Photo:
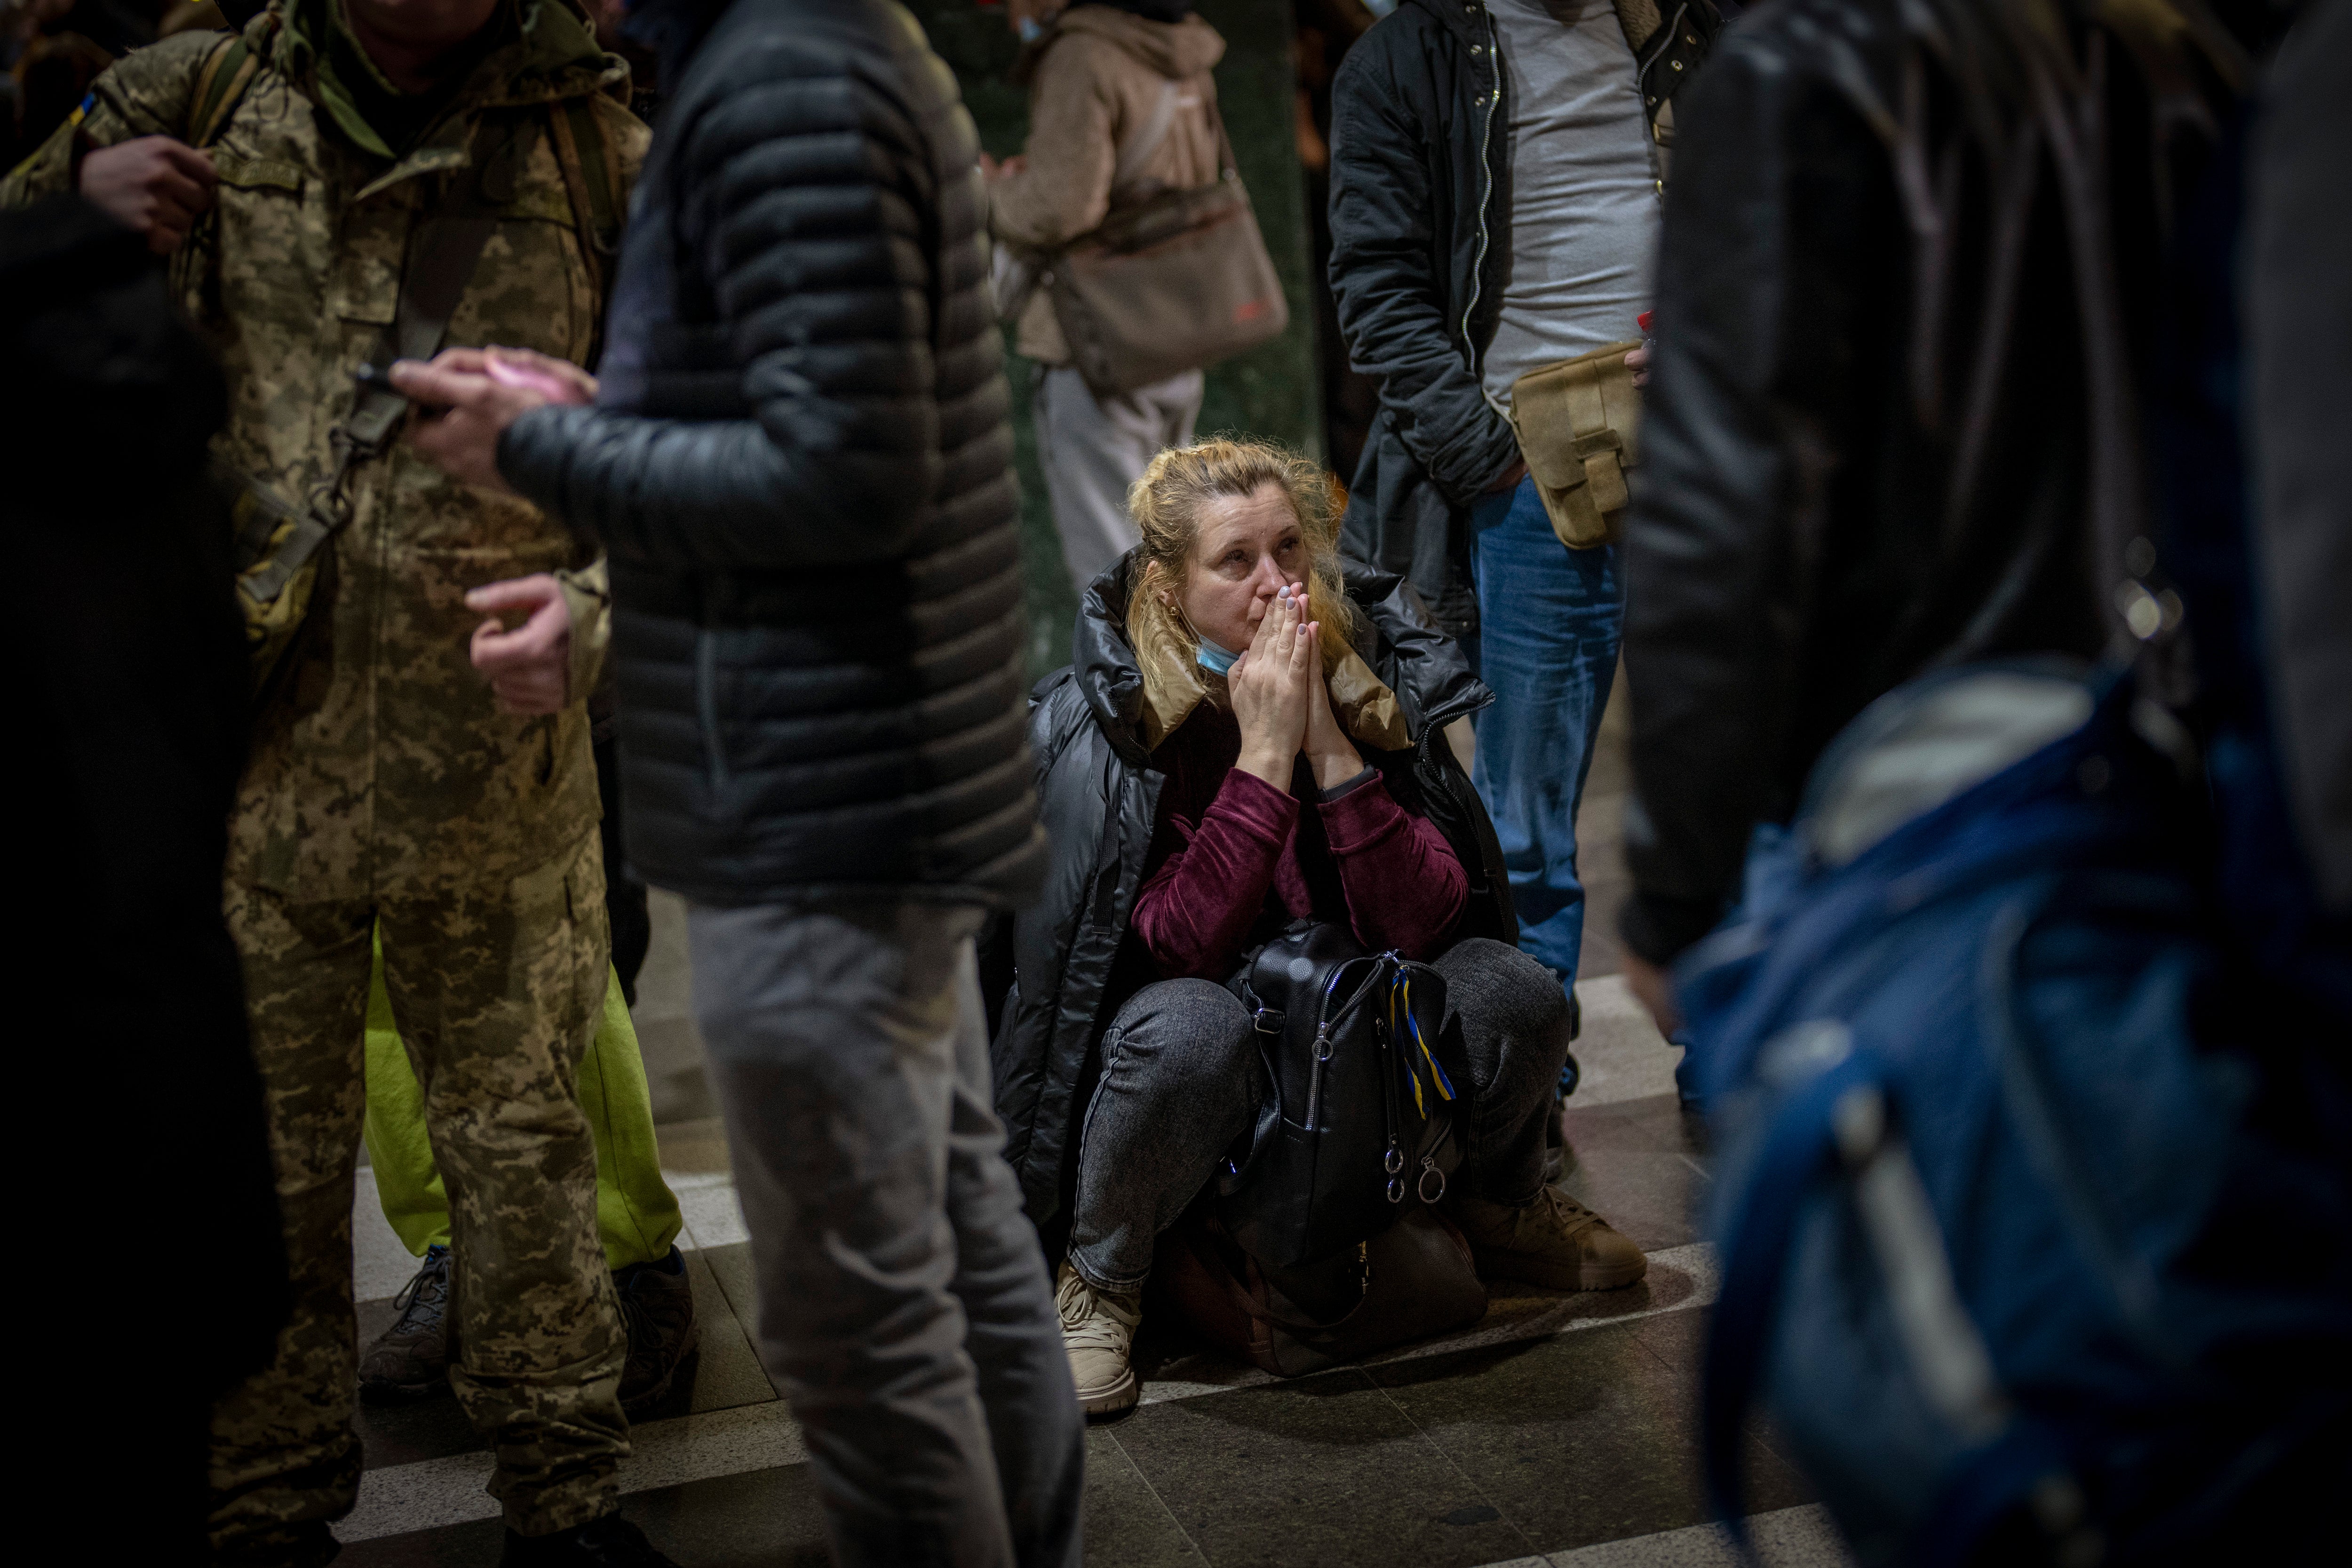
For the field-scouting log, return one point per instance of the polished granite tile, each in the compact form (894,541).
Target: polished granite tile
(1621,1163)
(1323,1470)
(731,1267)
(1622,1054)
(722,1375)
(1583,1437)
(474,1545)
(1789,1537)
(762,1519)
(1771,1479)
(1128,1525)
(771,1517)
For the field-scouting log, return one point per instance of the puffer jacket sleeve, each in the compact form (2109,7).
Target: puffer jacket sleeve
(804,194)
(1383,254)
(1710,552)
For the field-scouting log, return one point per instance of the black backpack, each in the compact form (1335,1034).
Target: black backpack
(1364,1091)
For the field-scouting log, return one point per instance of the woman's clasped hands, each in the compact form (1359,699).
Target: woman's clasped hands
(1280,700)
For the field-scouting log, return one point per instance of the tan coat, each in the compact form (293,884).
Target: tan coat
(1092,88)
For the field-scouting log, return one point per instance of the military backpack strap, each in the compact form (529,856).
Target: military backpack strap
(584,154)
(221,81)
(441,262)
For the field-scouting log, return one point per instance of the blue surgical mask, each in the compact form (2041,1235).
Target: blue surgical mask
(1212,657)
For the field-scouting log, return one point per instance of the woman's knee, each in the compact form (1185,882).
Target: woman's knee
(1194,1021)
(1502,995)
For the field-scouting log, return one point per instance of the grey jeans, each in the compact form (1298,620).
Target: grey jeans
(1182,1079)
(903,1301)
(1092,449)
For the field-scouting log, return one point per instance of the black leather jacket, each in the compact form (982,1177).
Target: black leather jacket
(1421,245)
(1862,459)
(800,467)
(1064,964)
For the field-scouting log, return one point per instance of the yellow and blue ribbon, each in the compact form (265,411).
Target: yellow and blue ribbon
(1401,993)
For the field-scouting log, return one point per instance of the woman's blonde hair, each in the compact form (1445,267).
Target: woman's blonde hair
(1166,505)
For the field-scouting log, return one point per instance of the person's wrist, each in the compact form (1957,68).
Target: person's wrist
(1335,768)
(1264,763)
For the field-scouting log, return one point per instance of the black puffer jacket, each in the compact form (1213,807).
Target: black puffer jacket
(1066,958)
(1421,245)
(802,469)
(1864,456)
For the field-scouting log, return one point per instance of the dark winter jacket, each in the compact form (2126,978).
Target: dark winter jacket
(131,704)
(1070,959)
(802,469)
(1421,236)
(1864,456)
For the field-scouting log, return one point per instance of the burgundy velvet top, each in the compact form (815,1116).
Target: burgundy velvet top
(1234,860)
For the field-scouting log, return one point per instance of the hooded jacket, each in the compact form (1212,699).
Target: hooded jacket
(1095,83)
(1421,235)
(1065,964)
(802,467)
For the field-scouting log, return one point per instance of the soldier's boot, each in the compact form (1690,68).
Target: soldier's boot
(658,1309)
(411,1359)
(611,1542)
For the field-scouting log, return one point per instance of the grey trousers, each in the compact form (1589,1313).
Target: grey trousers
(903,1301)
(1182,1079)
(1091,451)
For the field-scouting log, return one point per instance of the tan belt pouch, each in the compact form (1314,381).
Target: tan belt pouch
(1577,423)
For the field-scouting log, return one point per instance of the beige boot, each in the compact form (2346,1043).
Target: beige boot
(1554,1241)
(1097,1329)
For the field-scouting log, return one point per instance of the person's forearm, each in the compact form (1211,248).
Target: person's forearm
(716,492)
(1062,187)
(1193,913)
(1387,298)
(1404,885)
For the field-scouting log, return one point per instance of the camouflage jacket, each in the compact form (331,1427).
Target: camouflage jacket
(386,767)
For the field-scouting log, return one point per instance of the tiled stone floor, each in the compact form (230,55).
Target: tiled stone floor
(1560,1429)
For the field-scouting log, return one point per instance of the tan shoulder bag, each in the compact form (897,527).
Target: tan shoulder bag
(1577,424)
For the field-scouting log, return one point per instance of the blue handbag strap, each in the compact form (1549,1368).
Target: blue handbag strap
(1798,1151)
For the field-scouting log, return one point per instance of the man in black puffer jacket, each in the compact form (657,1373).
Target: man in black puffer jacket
(799,463)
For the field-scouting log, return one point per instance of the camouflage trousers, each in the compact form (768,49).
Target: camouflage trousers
(497,991)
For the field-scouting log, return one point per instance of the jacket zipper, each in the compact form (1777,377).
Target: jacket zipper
(706,703)
(1486,184)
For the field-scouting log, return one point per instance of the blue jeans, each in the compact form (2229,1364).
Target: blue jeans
(1550,620)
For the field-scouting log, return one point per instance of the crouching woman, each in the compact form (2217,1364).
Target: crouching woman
(1220,760)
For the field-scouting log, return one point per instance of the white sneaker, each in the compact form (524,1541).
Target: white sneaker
(1098,1329)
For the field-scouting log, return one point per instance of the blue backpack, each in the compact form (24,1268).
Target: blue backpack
(2032,1250)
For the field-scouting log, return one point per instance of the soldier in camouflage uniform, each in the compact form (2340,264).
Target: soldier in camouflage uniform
(387,783)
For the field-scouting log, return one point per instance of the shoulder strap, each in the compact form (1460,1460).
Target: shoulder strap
(221,81)
(1147,140)
(441,262)
(584,154)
